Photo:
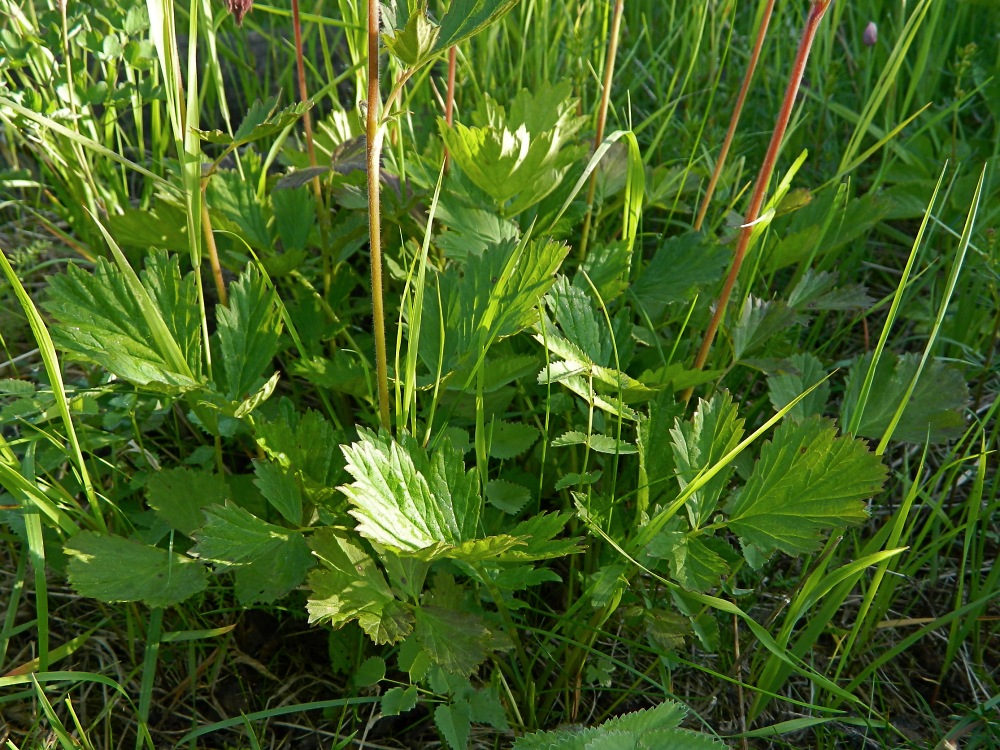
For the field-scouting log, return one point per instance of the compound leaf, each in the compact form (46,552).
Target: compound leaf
(269,560)
(713,432)
(349,586)
(806,480)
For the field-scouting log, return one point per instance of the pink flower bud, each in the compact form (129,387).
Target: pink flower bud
(870,36)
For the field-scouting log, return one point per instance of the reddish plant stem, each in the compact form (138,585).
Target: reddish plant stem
(449,98)
(317,189)
(372,151)
(735,119)
(602,116)
(816,12)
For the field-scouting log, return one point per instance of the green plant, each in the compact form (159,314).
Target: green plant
(514,521)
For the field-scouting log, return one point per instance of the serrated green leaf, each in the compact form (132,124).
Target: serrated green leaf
(652,729)
(607,267)
(539,532)
(517,157)
(263,119)
(456,641)
(510,439)
(280,489)
(692,564)
(454,722)
(806,480)
(784,388)
(507,496)
(350,586)
(178,496)
(471,229)
(415,42)
(294,217)
(934,409)
(102,321)
(575,479)
(713,432)
(575,312)
(819,291)
(371,672)
(465,18)
(248,331)
(409,500)
(759,320)
(397,700)
(306,443)
(680,266)
(487,708)
(115,569)
(493,297)
(234,198)
(269,560)
(599,443)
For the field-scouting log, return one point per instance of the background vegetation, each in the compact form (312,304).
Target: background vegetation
(234,516)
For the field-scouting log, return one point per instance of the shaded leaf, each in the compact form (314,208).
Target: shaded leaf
(714,430)
(458,642)
(507,496)
(178,496)
(784,388)
(454,722)
(692,563)
(269,560)
(115,569)
(280,489)
(680,266)
(511,439)
(934,410)
(248,331)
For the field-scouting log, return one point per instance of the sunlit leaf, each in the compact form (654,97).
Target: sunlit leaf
(349,586)
(806,481)
(101,320)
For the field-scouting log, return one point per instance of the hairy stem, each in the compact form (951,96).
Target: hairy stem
(373,148)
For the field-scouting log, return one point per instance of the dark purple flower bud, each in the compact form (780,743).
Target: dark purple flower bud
(870,37)
(240,8)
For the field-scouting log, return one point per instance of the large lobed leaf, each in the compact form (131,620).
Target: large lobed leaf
(101,320)
(269,560)
(115,569)
(518,155)
(349,586)
(806,480)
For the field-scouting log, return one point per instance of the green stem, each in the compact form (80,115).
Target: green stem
(373,148)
